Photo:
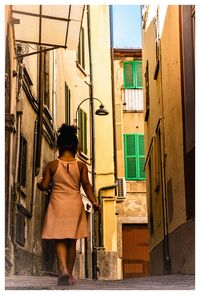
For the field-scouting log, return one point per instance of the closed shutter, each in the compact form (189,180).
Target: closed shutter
(138,74)
(133,74)
(128,75)
(85,133)
(130,156)
(67,104)
(82,134)
(134,156)
(141,157)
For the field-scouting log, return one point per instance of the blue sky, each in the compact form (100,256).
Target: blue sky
(127,26)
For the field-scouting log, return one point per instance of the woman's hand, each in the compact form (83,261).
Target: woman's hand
(96,206)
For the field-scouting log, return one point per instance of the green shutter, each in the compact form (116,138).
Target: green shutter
(67,104)
(133,74)
(85,133)
(128,75)
(141,157)
(82,133)
(134,156)
(130,156)
(138,74)
(80,128)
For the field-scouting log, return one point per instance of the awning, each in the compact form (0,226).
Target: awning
(48,25)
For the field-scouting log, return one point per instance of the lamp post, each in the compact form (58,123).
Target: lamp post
(101,111)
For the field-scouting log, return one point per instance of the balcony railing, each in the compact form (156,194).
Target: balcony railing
(133,100)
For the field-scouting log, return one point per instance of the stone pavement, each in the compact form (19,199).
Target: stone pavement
(165,282)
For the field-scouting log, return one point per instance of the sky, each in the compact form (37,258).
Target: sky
(127,28)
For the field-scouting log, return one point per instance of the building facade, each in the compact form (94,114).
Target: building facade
(45,88)
(169,80)
(132,229)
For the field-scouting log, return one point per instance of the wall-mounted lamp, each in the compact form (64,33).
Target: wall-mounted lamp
(101,111)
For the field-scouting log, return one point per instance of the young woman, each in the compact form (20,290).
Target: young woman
(65,219)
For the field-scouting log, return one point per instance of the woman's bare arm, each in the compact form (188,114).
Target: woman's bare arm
(43,185)
(87,186)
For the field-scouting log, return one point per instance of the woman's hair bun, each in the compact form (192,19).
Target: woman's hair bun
(67,130)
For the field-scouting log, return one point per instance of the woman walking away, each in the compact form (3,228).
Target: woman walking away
(65,219)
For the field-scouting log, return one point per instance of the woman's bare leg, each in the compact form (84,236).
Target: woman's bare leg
(61,252)
(71,256)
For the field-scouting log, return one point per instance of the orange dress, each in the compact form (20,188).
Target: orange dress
(65,216)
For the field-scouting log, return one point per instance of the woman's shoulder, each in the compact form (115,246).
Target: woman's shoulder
(53,165)
(81,165)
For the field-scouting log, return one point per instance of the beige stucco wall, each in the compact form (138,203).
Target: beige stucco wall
(165,103)
(101,63)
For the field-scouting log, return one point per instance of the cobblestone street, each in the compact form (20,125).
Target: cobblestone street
(168,282)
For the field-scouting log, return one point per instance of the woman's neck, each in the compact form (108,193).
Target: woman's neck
(66,156)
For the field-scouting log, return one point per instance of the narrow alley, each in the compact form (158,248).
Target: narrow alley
(168,282)
(100,147)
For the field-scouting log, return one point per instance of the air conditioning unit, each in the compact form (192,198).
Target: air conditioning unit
(121,189)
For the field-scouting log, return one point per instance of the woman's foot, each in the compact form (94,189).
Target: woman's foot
(72,280)
(63,279)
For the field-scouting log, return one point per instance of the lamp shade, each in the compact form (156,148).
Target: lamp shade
(101,111)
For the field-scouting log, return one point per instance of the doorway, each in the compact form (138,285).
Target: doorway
(135,250)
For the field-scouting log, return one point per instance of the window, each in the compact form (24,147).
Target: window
(134,156)
(133,74)
(81,49)
(22,162)
(82,134)
(20,229)
(67,104)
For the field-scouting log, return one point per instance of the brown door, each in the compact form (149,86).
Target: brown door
(135,250)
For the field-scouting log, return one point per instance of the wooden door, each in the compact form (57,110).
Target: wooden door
(135,250)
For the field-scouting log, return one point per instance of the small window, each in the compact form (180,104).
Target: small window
(22,162)
(81,49)
(67,104)
(134,156)
(82,134)
(20,229)
(133,74)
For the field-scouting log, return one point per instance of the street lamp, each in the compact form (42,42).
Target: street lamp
(101,111)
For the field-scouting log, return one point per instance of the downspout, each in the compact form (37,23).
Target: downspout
(91,94)
(113,92)
(114,186)
(40,112)
(167,258)
(18,134)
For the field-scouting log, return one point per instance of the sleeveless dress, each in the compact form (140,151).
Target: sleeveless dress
(65,216)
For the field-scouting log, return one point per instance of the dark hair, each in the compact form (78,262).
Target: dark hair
(67,139)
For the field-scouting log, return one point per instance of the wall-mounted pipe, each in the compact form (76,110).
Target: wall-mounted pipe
(114,186)
(113,92)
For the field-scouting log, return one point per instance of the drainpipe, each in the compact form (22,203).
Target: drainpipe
(113,92)
(34,172)
(91,94)
(18,126)
(40,111)
(167,258)
(114,186)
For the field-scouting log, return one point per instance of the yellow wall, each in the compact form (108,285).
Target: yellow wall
(165,102)
(100,41)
